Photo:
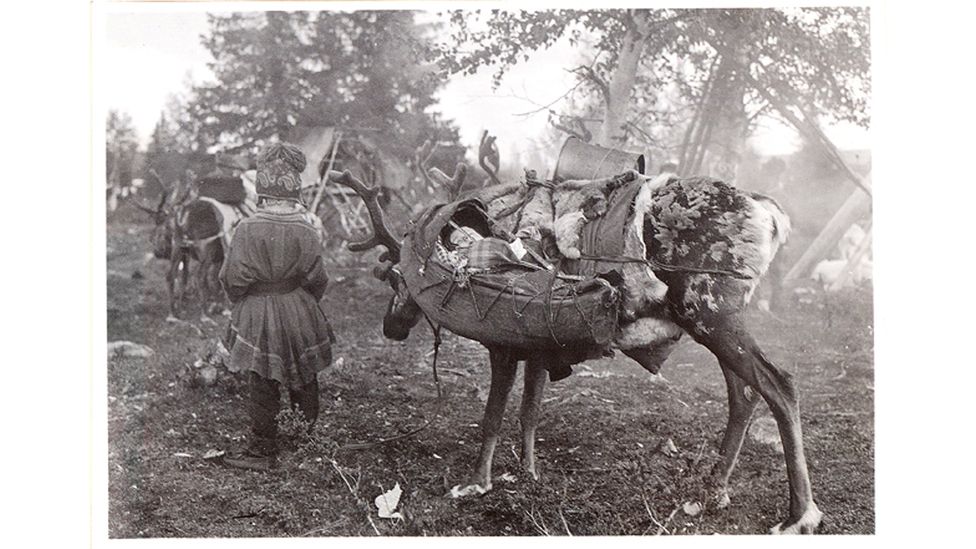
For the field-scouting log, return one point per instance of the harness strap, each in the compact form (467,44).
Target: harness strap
(665,266)
(187,242)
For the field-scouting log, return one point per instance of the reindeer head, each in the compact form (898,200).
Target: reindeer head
(165,214)
(402,313)
(162,237)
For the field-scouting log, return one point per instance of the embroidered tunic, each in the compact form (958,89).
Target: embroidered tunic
(275,278)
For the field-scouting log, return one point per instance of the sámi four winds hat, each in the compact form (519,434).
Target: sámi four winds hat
(280,167)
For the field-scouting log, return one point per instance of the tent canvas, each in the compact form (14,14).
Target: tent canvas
(316,142)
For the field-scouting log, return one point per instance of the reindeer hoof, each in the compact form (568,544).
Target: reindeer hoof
(531,471)
(807,524)
(470,490)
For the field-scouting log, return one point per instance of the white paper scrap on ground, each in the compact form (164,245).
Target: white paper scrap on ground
(387,502)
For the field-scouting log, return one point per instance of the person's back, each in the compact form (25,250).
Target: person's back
(275,277)
(278,246)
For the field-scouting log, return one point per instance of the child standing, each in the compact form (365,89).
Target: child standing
(274,277)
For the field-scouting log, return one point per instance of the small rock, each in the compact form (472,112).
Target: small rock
(208,374)
(668,448)
(691,508)
(129,349)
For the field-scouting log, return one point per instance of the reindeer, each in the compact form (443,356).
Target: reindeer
(187,229)
(748,373)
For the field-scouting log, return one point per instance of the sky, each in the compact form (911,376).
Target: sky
(150,55)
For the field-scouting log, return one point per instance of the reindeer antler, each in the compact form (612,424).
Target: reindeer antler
(422,159)
(381,233)
(452,183)
(162,196)
(488,156)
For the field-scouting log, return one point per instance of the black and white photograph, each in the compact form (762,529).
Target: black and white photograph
(409,269)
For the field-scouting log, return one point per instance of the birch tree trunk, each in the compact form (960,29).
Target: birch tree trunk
(725,144)
(621,85)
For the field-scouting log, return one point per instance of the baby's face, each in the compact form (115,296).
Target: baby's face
(463,237)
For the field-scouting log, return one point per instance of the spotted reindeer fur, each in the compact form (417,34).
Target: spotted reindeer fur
(703,223)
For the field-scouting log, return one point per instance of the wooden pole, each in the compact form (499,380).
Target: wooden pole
(857,205)
(324,180)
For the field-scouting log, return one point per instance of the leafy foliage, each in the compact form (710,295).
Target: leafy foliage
(705,63)
(369,70)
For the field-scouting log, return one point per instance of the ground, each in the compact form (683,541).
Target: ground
(621,452)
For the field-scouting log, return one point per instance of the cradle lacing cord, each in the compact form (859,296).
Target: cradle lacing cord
(436,329)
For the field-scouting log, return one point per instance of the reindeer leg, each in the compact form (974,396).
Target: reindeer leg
(217,306)
(171,274)
(185,261)
(503,368)
(183,271)
(203,286)
(742,403)
(212,285)
(725,336)
(535,382)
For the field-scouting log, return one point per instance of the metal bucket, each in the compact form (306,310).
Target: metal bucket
(579,160)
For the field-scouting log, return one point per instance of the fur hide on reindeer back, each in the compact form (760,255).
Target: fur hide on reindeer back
(702,223)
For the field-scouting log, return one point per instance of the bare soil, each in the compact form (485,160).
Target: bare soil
(603,443)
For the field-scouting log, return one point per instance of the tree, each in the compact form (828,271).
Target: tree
(121,149)
(710,71)
(618,37)
(171,152)
(364,70)
(163,138)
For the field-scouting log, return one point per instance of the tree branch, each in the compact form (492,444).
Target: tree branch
(589,74)
(551,103)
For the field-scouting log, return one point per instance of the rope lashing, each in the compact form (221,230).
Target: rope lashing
(665,266)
